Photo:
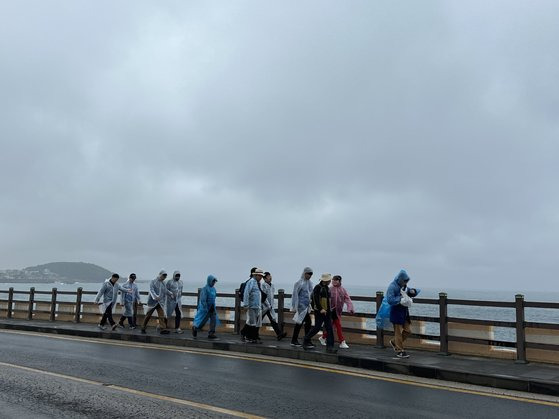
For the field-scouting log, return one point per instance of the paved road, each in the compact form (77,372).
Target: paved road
(46,376)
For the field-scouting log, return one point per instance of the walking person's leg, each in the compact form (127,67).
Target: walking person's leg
(177,318)
(121,320)
(308,323)
(330,333)
(213,321)
(318,322)
(105,316)
(148,315)
(162,320)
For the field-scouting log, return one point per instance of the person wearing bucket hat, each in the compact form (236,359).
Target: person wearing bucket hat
(300,305)
(252,300)
(322,314)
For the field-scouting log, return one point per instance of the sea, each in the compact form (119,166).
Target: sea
(541,315)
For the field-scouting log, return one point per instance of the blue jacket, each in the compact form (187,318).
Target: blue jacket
(207,302)
(398,313)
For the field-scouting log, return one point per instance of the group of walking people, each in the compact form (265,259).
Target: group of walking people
(164,297)
(326,301)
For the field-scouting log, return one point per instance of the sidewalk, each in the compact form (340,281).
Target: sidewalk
(532,377)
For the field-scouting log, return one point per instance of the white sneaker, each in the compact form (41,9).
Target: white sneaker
(343,345)
(101,327)
(322,341)
(179,330)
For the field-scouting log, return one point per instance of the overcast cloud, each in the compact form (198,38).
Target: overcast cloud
(355,137)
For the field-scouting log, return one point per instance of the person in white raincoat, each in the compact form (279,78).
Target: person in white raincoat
(128,301)
(301,305)
(174,301)
(156,301)
(268,310)
(109,292)
(252,301)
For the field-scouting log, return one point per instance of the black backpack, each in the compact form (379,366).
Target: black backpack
(242,289)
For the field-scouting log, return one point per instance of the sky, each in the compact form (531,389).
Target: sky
(354,137)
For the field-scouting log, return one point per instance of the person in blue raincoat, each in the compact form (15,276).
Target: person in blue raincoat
(128,301)
(173,304)
(206,309)
(396,294)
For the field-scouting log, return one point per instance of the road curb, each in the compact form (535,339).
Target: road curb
(405,367)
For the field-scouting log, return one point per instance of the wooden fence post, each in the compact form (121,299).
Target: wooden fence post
(78,305)
(53,305)
(31,302)
(443,323)
(10,302)
(281,306)
(380,332)
(237,319)
(520,332)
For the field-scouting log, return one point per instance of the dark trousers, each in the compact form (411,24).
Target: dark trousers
(107,315)
(273,323)
(131,321)
(308,324)
(320,320)
(178,317)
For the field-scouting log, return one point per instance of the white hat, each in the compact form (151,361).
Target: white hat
(326,277)
(258,271)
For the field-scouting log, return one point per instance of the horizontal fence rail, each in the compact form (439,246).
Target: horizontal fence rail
(452,330)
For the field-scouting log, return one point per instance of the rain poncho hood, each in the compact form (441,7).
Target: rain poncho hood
(207,301)
(174,298)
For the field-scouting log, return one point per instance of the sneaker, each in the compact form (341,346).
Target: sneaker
(113,327)
(212,336)
(308,345)
(402,354)
(391,342)
(143,331)
(178,331)
(131,327)
(296,344)
(331,350)
(120,325)
(322,341)
(243,339)
(194,331)
(344,345)
(251,341)
(281,335)
(164,332)
(101,327)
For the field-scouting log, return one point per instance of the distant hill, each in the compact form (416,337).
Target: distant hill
(70,271)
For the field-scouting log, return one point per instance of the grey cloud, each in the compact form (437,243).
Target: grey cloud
(358,137)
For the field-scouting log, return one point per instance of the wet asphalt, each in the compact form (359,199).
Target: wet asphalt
(253,387)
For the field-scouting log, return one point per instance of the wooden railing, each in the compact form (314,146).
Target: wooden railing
(534,340)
